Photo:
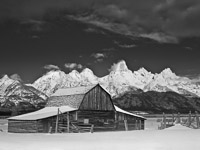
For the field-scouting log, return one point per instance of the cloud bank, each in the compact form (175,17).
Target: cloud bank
(173,19)
(72,66)
(99,57)
(51,67)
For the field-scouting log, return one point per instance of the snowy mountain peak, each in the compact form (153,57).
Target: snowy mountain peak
(87,71)
(5,77)
(5,81)
(119,80)
(143,71)
(53,73)
(168,73)
(75,74)
(120,66)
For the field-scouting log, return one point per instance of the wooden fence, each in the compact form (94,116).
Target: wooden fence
(190,120)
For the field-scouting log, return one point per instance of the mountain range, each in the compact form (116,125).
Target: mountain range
(118,82)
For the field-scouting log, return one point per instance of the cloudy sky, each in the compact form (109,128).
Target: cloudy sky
(41,35)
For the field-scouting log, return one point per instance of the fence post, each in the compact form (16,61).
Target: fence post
(173,119)
(50,129)
(164,121)
(178,118)
(92,129)
(189,119)
(197,119)
(140,125)
(116,120)
(57,118)
(67,122)
(76,115)
(126,125)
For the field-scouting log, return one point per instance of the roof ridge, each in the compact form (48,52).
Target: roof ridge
(74,90)
(92,85)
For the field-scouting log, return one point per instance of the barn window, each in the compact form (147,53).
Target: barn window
(86,121)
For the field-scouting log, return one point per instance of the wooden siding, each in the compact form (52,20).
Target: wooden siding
(18,126)
(102,120)
(96,115)
(97,99)
(134,123)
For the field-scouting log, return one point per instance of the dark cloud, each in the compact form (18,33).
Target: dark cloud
(180,18)
(29,8)
(162,20)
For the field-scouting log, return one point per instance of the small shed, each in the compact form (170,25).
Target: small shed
(75,110)
(38,121)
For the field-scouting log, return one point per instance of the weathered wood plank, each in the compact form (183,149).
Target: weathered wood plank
(22,126)
(97,99)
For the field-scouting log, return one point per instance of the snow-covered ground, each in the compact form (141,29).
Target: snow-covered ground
(178,138)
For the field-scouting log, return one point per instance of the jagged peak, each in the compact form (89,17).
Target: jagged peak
(5,77)
(143,71)
(54,72)
(87,71)
(168,73)
(74,72)
(51,74)
(120,66)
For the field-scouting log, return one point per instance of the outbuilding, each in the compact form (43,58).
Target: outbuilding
(77,109)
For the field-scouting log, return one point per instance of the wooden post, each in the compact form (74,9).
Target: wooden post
(116,120)
(164,121)
(50,129)
(136,124)
(140,125)
(189,119)
(92,129)
(76,115)
(197,119)
(115,116)
(178,118)
(68,122)
(57,118)
(126,125)
(173,119)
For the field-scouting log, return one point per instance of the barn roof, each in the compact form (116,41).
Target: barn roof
(126,112)
(43,113)
(70,96)
(73,101)
(73,90)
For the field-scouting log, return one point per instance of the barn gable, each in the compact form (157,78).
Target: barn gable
(68,97)
(97,99)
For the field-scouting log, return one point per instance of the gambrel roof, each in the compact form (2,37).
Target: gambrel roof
(73,90)
(73,101)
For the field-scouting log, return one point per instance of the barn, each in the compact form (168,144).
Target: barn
(78,109)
